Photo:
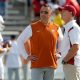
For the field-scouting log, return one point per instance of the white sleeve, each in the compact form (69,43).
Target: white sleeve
(60,39)
(74,36)
(1,39)
(25,35)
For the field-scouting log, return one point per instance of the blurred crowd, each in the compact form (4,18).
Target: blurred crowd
(33,6)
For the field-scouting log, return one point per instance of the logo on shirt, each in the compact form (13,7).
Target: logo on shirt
(52,30)
(37,31)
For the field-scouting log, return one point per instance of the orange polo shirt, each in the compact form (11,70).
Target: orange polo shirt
(43,44)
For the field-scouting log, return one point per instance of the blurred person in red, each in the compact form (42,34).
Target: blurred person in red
(37,5)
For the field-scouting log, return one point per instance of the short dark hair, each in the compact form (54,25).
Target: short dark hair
(13,37)
(46,5)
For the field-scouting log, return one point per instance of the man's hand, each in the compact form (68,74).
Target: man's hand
(58,55)
(33,58)
(1,50)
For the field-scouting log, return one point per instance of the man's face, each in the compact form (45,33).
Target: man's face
(45,13)
(66,15)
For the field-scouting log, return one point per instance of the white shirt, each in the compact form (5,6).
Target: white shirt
(74,36)
(26,34)
(1,55)
(13,57)
(62,2)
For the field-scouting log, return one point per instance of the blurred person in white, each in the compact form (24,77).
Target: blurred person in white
(61,2)
(2,50)
(13,61)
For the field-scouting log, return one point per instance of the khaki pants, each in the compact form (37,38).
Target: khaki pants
(71,72)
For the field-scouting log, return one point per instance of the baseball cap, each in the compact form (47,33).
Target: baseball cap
(70,8)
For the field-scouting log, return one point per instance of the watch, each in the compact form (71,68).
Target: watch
(63,62)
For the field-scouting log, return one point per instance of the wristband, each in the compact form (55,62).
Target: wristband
(63,62)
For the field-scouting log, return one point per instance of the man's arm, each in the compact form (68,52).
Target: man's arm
(59,43)
(72,52)
(27,46)
(24,36)
(59,40)
(2,50)
(75,42)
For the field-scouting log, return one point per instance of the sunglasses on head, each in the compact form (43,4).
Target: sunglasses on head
(43,12)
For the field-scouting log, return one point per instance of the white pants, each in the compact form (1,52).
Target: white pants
(71,72)
(1,73)
(12,71)
(42,74)
(25,71)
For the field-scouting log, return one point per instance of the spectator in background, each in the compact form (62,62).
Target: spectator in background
(2,50)
(1,23)
(28,3)
(53,1)
(57,19)
(78,1)
(2,7)
(13,61)
(61,2)
(37,5)
(56,14)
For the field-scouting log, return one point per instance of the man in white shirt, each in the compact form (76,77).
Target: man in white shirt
(13,61)
(71,44)
(2,50)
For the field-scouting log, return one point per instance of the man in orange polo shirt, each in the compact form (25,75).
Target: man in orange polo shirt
(43,36)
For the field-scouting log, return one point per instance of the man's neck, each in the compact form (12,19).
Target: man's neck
(69,20)
(45,22)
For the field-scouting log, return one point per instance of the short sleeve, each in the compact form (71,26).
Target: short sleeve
(74,35)
(1,39)
(60,39)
